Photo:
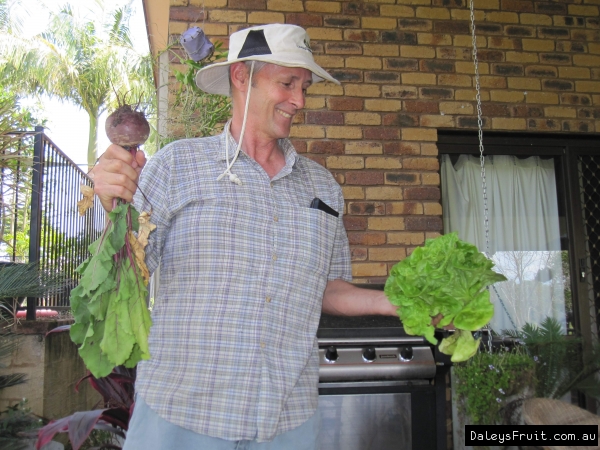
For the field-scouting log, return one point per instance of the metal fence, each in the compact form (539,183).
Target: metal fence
(46,191)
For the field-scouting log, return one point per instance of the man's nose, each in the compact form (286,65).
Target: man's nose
(298,98)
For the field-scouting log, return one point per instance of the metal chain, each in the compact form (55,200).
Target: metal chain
(486,223)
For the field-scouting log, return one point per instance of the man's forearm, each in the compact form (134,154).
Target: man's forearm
(343,298)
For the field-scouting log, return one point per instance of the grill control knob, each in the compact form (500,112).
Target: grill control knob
(331,354)
(406,354)
(369,354)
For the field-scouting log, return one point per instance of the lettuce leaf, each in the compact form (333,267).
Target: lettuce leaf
(445,276)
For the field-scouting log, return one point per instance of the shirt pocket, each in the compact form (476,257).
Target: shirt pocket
(308,236)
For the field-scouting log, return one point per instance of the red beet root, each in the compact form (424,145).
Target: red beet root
(127,127)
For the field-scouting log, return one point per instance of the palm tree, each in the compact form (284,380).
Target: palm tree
(77,61)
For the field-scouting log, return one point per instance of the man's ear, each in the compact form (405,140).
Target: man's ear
(238,73)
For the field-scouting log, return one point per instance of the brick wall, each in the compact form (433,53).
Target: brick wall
(406,71)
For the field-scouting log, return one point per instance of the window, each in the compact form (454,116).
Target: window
(543,211)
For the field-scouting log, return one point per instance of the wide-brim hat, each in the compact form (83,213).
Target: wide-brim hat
(284,45)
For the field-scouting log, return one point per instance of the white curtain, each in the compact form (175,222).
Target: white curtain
(524,236)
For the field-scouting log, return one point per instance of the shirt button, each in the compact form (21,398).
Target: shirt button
(262,345)
(274,257)
(271,184)
(268,299)
(276,219)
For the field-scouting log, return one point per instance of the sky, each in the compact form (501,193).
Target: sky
(67,124)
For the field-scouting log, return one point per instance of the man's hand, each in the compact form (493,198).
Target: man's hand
(116,175)
(435,320)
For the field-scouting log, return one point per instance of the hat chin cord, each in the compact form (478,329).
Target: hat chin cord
(232,176)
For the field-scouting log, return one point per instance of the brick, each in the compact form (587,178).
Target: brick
(383,193)
(535,19)
(398,64)
(325,89)
(541,71)
(586,60)
(410,51)
(329,61)
(347,75)
(316,158)
(517,5)
(398,37)
(342,21)
(401,148)
(533,84)
(575,99)
(489,28)
(514,70)
(334,132)
(406,238)
(413,2)
(513,123)
(418,78)
(583,10)
(215,29)
(554,33)
(555,58)
(542,97)
(396,11)
(364,178)
(247,4)
(560,111)
(363,148)
(343,48)
(452,27)
(265,17)
(387,254)
(366,208)
(325,34)
(424,12)
(176,28)
(363,62)
(403,179)
(324,117)
(186,13)
(491,55)
(422,193)
(353,192)
(588,86)
(304,20)
(381,50)
(538,45)
(369,269)
(299,145)
(285,5)
(385,223)
(399,92)
(379,23)
(421,163)
(227,16)
(436,66)
(572,47)
(495,110)
(345,104)
(577,125)
(574,72)
(467,41)
(429,149)
(454,80)
(404,208)
(557,85)
(178,3)
(487,4)
(594,48)
(470,122)
(307,131)
(362,118)
(383,105)
(382,162)
(504,43)
(454,53)
(358,254)
(381,133)
(502,17)
(355,223)
(345,162)
(361,36)
(326,147)
(400,120)
(568,21)
(522,57)
(415,24)
(550,8)
(360,8)
(436,93)
(362,90)
(427,223)
(434,39)
(369,238)
(431,121)
(420,106)
(507,96)
(418,134)
(455,108)
(469,67)
(323,7)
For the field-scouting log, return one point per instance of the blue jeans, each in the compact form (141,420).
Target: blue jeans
(149,431)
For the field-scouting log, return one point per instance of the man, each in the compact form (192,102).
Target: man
(247,264)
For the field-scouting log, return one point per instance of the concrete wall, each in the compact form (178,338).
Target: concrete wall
(53,367)
(406,71)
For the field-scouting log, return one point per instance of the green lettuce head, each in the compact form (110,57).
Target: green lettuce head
(446,276)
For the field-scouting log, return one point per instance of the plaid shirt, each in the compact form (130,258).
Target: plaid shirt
(243,270)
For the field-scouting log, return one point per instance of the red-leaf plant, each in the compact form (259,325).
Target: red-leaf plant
(117,391)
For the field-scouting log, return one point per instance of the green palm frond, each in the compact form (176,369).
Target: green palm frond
(12,380)
(27,280)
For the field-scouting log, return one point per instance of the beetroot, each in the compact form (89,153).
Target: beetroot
(127,127)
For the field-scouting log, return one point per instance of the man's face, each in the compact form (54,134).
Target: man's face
(278,93)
